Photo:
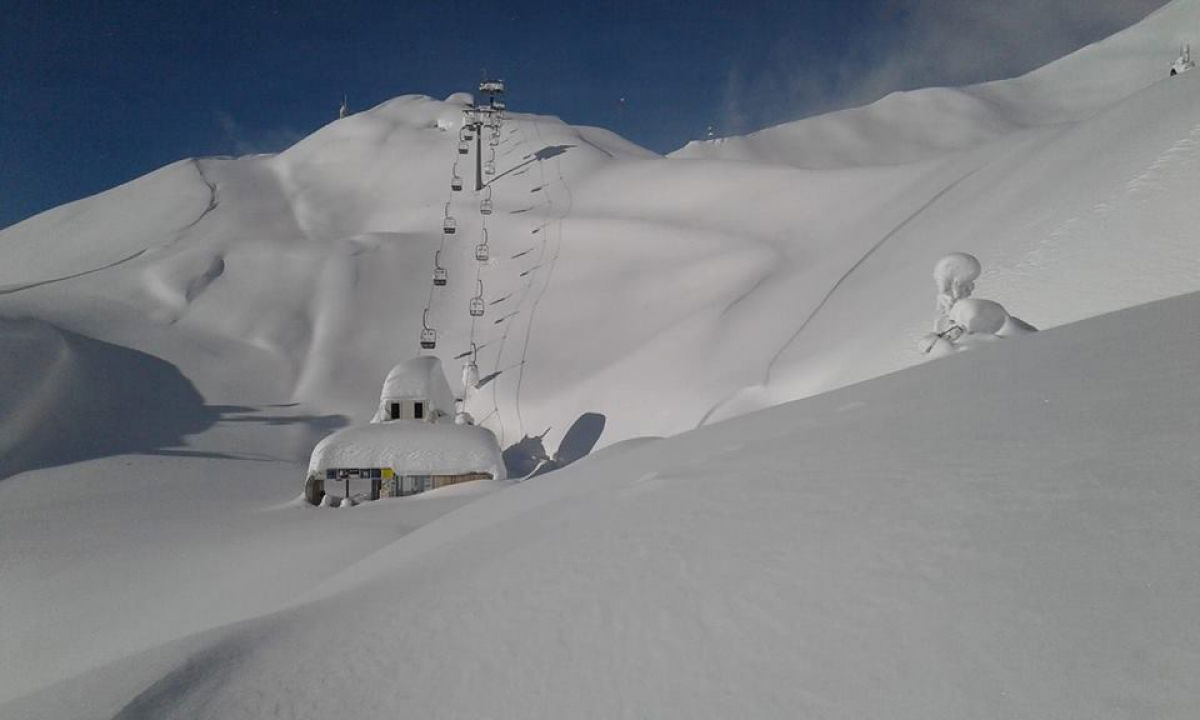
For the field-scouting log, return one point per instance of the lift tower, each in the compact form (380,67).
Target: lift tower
(493,90)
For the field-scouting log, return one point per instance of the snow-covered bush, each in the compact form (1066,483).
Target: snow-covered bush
(960,319)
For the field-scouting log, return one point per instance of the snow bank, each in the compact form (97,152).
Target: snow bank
(1007,534)
(411,447)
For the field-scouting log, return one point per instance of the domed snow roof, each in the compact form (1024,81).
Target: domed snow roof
(411,447)
(420,378)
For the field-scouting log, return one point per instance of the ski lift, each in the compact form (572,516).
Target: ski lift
(463,147)
(485,205)
(491,87)
(465,135)
(470,376)
(428,334)
(439,273)
(456,183)
(495,139)
(449,225)
(489,167)
(482,252)
(476,306)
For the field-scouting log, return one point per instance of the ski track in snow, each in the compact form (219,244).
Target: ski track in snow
(29,286)
(846,275)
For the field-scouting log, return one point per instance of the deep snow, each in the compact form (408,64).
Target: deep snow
(658,292)
(1005,533)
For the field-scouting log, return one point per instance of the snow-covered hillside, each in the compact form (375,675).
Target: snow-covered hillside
(941,542)
(986,536)
(655,291)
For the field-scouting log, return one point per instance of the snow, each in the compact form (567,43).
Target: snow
(1017,552)
(411,447)
(833,526)
(420,378)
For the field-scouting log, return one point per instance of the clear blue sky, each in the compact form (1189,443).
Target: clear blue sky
(96,93)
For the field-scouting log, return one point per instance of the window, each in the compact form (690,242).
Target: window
(395,411)
(419,410)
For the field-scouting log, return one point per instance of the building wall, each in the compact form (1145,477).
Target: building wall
(401,485)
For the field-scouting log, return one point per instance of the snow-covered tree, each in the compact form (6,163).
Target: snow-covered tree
(961,319)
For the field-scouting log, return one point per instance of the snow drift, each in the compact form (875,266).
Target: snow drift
(1006,532)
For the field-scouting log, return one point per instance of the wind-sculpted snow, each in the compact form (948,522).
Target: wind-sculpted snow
(200,329)
(994,535)
(65,398)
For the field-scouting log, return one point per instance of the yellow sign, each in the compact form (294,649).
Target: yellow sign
(388,473)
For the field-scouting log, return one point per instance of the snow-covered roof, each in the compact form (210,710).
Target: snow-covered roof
(420,378)
(411,447)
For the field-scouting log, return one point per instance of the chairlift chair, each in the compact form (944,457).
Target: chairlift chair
(440,276)
(463,147)
(471,371)
(482,252)
(489,166)
(476,305)
(456,183)
(449,225)
(485,206)
(428,334)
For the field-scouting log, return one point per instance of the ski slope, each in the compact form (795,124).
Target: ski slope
(941,541)
(980,537)
(713,286)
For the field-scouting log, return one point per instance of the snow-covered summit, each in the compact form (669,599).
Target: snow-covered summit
(921,124)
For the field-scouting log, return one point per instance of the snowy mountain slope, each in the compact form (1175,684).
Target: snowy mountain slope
(909,126)
(1002,534)
(65,398)
(657,292)
(618,277)
(242,308)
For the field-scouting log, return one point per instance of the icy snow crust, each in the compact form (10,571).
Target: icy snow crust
(1005,533)
(411,447)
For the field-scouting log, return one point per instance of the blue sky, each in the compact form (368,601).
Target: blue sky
(97,93)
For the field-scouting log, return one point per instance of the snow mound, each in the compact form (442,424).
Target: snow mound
(419,378)
(1020,551)
(65,397)
(411,447)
